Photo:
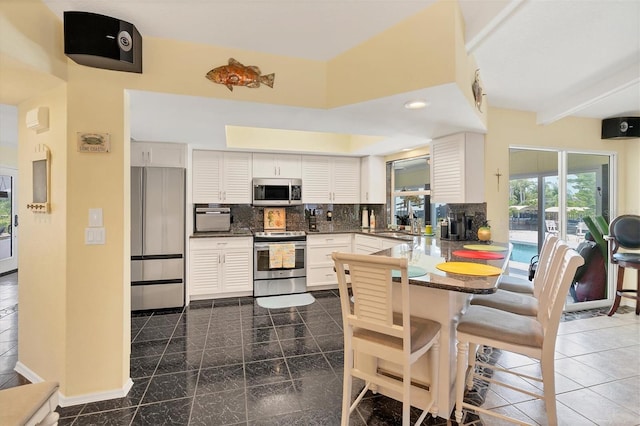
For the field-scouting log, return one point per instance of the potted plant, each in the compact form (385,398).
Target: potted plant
(598,228)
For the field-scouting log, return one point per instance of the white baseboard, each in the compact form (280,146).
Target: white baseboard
(65,401)
(28,373)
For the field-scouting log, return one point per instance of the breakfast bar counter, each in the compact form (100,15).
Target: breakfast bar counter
(439,296)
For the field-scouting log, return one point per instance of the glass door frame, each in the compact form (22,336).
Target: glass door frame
(11,263)
(563,172)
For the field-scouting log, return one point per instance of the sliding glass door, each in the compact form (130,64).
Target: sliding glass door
(8,218)
(556,191)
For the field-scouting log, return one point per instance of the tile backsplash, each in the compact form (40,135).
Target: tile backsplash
(343,216)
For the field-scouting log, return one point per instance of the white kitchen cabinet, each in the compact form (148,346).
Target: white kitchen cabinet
(330,180)
(373,180)
(277,165)
(457,169)
(320,271)
(221,177)
(367,244)
(220,267)
(158,154)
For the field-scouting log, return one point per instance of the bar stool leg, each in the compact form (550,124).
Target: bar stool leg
(616,302)
(463,353)
(638,293)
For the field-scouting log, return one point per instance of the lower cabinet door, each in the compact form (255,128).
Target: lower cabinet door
(205,272)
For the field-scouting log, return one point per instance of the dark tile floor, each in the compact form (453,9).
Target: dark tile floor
(223,362)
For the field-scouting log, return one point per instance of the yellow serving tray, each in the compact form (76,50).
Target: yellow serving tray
(484,247)
(469,268)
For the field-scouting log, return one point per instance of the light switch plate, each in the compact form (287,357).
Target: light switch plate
(94,236)
(95,217)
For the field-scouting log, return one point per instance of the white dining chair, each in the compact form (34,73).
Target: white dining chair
(521,285)
(371,327)
(524,304)
(534,337)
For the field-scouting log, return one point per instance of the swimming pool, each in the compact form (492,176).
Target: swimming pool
(523,252)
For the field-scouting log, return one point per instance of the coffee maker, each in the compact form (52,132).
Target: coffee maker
(457,226)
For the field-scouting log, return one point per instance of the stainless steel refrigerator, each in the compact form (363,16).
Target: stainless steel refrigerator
(157,237)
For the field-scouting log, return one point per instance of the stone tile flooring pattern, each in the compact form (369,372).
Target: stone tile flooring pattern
(231,362)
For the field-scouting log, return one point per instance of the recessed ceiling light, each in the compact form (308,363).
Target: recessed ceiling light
(417,104)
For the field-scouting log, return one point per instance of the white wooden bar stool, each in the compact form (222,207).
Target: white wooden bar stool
(371,327)
(520,303)
(521,285)
(534,337)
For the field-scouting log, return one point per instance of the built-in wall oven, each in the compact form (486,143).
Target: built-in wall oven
(279,260)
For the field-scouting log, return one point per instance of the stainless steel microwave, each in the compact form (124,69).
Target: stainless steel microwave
(277,192)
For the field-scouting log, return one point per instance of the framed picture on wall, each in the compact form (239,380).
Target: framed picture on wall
(93,142)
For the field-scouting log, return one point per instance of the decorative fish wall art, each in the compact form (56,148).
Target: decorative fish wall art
(477,91)
(236,74)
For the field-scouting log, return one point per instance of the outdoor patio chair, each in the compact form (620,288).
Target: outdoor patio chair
(552,226)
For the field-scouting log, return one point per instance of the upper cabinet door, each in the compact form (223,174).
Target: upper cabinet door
(316,177)
(330,180)
(221,177)
(207,176)
(237,178)
(158,154)
(289,166)
(373,182)
(277,165)
(345,180)
(457,169)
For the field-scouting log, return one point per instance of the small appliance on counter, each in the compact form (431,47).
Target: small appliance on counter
(456,227)
(212,219)
(313,221)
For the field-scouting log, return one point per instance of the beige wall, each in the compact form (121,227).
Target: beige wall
(43,260)
(8,156)
(32,57)
(96,285)
(415,54)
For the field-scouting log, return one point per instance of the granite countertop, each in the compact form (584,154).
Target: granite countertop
(231,233)
(427,252)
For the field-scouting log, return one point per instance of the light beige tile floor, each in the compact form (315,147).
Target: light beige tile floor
(597,376)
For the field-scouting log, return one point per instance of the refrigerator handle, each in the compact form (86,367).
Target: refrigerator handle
(143,204)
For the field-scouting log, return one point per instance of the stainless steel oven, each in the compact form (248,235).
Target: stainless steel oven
(280,278)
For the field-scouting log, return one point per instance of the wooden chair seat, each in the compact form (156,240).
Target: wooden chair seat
(519,302)
(521,285)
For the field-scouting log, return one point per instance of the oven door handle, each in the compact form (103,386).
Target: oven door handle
(262,245)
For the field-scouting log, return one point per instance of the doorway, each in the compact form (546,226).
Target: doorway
(553,191)
(8,220)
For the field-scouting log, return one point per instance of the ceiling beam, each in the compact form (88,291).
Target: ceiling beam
(493,24)
(590,94)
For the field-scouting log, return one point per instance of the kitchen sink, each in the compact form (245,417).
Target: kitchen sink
(398,235)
